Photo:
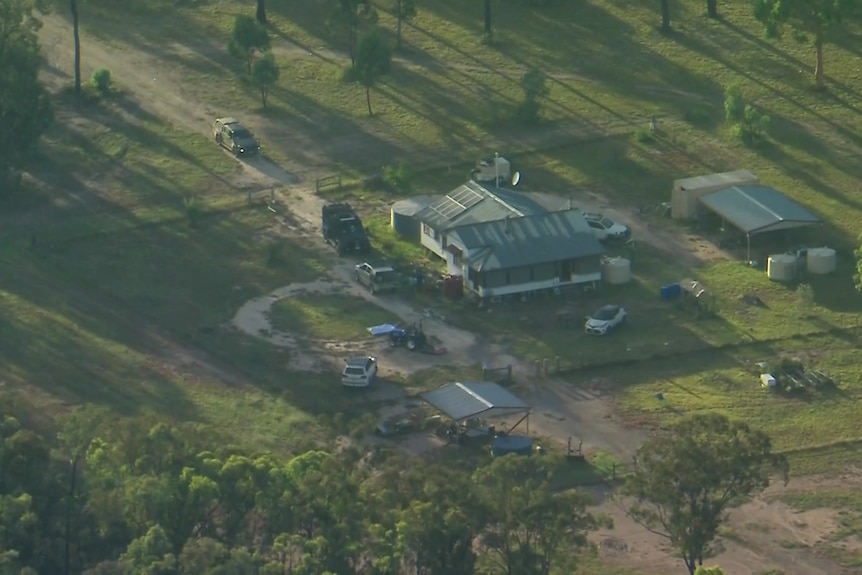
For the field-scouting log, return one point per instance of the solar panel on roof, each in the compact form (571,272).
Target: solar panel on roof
(457,202)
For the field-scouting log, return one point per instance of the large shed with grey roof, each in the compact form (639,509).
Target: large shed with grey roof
(757,209)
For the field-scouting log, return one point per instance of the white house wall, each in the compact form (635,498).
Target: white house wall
(535,286)
(432,244)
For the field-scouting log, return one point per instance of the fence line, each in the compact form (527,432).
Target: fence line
(328,182)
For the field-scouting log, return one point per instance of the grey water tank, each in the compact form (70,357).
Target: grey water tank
(403,216)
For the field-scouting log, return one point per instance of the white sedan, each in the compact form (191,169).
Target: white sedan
(605,319)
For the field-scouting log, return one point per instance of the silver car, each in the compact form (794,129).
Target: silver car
(359,371)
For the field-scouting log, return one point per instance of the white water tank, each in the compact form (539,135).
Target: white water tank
(821,261)
(616,271)
(781,267)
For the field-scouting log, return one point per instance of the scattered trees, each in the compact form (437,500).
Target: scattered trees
(684,483)
(404,10)
(747,124)
(264,75)
(373,60)
(150,498)
(665,15)
(24,105)
(247,39)
(352,13)
(813,18)
(534,83)
(712,8)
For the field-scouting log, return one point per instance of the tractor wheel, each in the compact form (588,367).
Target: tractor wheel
(412,344)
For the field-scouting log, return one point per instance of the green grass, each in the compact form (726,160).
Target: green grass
(450,96)
(330,317)
(728,382)
(848,505)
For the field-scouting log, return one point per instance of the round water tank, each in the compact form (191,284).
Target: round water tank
(781,267)
(403,216)
(506,444)
(616,271)
(821,261)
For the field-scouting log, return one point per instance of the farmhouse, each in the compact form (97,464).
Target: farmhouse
(469,204)
(523,254)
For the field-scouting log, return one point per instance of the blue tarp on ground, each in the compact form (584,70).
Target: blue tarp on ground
(383,329)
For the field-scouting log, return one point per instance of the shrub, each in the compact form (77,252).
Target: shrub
(747,124)
(193,210)
(643,135)
(398,177)
(101,80)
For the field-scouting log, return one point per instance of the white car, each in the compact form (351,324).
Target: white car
(359,371)
(605,319)
(606,229)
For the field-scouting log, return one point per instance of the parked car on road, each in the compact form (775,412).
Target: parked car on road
(376,278)
(359,371)
(604,319)
(229,133)
(606,229)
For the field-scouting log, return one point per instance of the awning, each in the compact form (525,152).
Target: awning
(758,209)
(487,399)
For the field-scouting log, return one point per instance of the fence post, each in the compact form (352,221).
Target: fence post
(545,366)
(538,365)
(484,373)
(557,364)
(614,471)
(509,372)
(249,197)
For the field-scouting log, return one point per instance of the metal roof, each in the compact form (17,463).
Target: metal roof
(461,401)
(716,180)
(758,209)
(473,203)
(529,240)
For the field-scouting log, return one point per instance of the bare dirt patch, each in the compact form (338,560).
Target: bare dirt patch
(760,535)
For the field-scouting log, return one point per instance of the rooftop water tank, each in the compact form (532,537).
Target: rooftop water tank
(821,261)
(781,267)
(403,216)
(616,271)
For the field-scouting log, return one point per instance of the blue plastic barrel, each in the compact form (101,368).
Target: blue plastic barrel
(670,291)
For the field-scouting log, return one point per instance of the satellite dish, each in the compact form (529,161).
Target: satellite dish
(516,177)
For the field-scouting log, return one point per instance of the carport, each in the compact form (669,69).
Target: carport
(463,401)
(757,210)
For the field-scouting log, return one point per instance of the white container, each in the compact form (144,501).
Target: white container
(821,261)
(781,267)
(616,271)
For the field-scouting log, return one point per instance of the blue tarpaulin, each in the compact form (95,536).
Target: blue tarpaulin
(384,329)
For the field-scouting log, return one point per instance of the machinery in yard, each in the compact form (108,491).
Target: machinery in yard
(413,338)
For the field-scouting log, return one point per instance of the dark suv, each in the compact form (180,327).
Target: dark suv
(229,133)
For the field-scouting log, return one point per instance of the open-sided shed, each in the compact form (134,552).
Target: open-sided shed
(484,399)
(757,210)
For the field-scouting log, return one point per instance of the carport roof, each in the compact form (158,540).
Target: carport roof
(461,401)
(758,209)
